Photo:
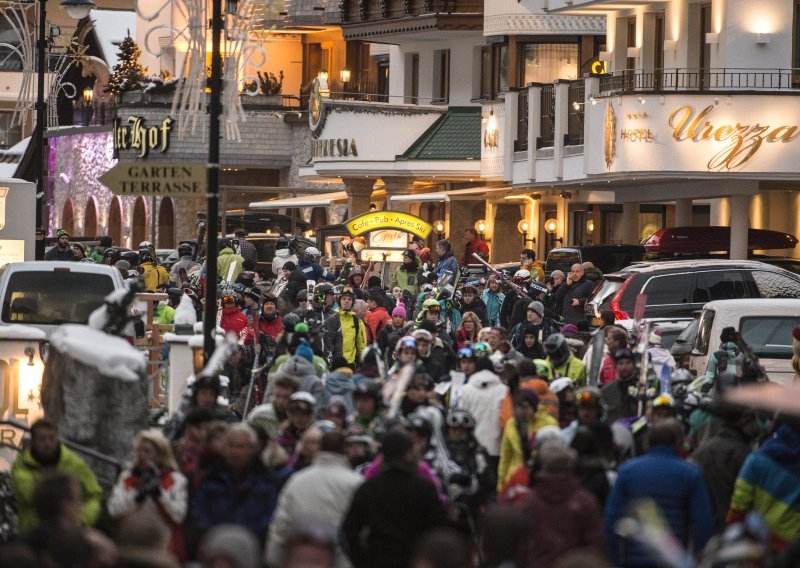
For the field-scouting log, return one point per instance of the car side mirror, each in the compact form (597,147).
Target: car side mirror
(696,352)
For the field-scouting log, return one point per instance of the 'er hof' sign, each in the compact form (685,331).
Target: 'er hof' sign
(376,220)
(135,135)
(695,133)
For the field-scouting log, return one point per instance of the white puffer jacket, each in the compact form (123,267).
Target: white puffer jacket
(483,397)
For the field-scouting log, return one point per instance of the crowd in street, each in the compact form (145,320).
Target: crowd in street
(432,418)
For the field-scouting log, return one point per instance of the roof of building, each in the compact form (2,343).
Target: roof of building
(456,135)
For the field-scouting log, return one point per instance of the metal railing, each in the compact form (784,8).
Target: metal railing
(577,90)
(354,11)
(547,116)
(521,143)
(724,79)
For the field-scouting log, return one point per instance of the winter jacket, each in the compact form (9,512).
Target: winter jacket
(478,308)
(315,272)
(507,307)
(225,260)
(731,351)
(548,402)
(186,263)
(153,276)
(233,320)
(608,370)
(720,460)
(320,366)
(302,370)
(273,327)
(580,291)
(475,246)
(660,358)
(679,491)
(248,501)
(462,340)
(562,517)
(447,263)
(265,416)
(395,509)
(376,319)
(511,454)
(440,360)
(164,314)
(296,283)
(56,253)
(26,472)
(322,491)
(483,397)
(345,336)
(572,368)
(282,256)
(407,278)
(248,250)
(769,484)
(536,270)
(618,401)
(339,383)
(493,301)
(171,503)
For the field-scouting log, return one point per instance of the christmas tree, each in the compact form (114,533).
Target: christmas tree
(129,75)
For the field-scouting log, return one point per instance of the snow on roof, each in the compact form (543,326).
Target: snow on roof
(112,356)
(111,27)
(22,332)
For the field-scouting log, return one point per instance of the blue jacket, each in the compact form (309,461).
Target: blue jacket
(676,487)
(447,262)
(248,502)
(314,271)
(493,301)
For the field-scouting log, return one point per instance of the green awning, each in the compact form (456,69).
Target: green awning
(456,135)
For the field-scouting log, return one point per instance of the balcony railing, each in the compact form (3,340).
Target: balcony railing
(547,117)
(521,144)
(355,11)
(723,79)
(577,90)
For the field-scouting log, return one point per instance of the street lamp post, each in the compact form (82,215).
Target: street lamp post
(77,9)
(214,109)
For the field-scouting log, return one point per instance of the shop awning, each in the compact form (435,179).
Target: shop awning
(472,193)
(318,200)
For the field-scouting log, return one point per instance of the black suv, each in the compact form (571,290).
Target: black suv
(607,258)
(681,288)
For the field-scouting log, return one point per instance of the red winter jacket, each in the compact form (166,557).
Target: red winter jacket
(375,319)
(476,246)
(233,320)
(562,516)
(272,328)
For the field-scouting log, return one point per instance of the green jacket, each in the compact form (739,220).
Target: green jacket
(572,368)
(164,314)
(25,473)
(97,255)
(406,280)
(227,258)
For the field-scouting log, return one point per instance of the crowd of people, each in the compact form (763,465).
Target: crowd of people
(436,419)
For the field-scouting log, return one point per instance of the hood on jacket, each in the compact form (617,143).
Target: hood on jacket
(226,250)
(284,253)
(413,267)
(483,379)
(295,367)
(659,355)
(593,274)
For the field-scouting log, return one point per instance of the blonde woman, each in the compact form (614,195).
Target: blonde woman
(153,480)
(468,330)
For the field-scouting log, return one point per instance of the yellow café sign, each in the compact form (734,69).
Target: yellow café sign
(743,140)
(375,220)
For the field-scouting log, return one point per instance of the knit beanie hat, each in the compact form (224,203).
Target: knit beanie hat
(304,350)
(233,543)
(400,310)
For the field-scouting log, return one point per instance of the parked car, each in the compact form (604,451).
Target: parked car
(682,288)
(787,263)
(265,245)
(46,294)
(681,348)
(607,258)
(764,324)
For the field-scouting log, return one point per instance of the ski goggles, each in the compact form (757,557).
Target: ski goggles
(664,400)
(434,309)
(585,398)
(466,353)
(228,299)
(460,420)
(408,343)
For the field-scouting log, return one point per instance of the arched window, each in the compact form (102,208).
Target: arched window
(139,229)
(90,218)
(115,221)
(166,224)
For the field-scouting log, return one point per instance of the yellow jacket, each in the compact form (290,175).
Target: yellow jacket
(511,456)
(154,276)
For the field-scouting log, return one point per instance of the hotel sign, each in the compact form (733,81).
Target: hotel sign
(376,220)
(695,133)
(133,134)
(334,148)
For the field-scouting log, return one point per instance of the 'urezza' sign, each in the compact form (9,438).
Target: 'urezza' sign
(375,220)
(695,133)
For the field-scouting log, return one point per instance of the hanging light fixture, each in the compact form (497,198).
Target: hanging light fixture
(78,9)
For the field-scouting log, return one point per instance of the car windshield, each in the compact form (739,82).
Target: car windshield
(53,298)
(769,336)
(562,260)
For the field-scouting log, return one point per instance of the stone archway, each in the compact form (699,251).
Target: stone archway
(139,224)
(68,217)
(166,224)
(90,218)
(115,221)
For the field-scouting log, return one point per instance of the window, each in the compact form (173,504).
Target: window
(719,285)
(441,76)
(415,77)
(668,290)
(769,337)
(30,296)
(703,337)
(548,62)
(776,284)
(382,63)
(494,71)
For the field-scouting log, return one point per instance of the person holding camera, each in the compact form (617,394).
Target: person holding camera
(154,481)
